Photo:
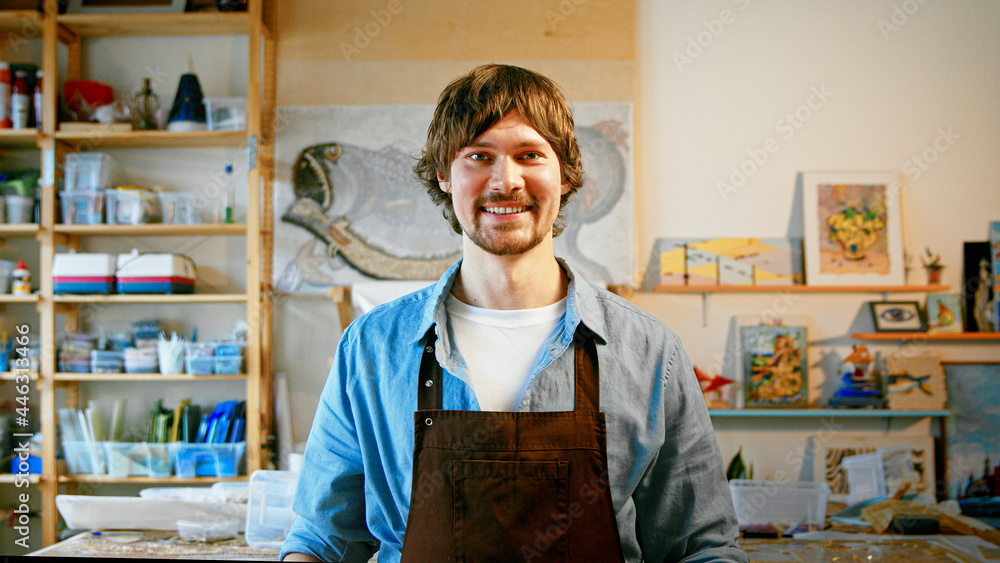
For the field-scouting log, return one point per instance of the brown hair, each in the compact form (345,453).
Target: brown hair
(473,103)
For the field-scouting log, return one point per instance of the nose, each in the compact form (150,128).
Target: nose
(506,175)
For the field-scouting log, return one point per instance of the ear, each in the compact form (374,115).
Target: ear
(565,188)
(444,184)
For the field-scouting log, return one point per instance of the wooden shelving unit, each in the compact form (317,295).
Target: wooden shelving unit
(799,288)
(63,37)
(824,413)
(938,336)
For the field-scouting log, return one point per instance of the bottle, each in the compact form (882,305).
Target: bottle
(38,101)
(22,279)
(5,122)
(20,101)
(230,196)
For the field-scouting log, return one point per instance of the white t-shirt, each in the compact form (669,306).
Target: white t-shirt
(500,347)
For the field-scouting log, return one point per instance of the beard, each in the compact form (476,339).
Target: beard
(506,240)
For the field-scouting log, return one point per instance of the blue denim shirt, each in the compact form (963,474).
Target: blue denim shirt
(668,485)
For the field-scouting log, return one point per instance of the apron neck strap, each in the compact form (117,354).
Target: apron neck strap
(587,374)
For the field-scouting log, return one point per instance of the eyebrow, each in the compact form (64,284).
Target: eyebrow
(521,145)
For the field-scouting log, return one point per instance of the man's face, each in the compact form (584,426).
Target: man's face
(506,187)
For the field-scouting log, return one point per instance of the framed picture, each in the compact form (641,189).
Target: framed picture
(897,316)
(774,366)
(853,231)
(944,312)
(830,449)
(915,380)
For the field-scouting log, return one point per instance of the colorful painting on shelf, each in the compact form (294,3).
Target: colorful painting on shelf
(914,380)
(724,261)
(974,401)
(774,366)
(852,228)
(944,312)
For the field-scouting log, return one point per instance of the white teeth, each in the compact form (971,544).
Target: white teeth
(505,210)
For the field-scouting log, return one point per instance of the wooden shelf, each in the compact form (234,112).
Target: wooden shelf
(800,288)
(158,229)
(144,377)
(188,23)
(154,139)
(147,480)
(189,298)
(10,298)
(11,376)
(19,138)
(10,478)
(18,230)
(822,413)
(22,23)
(952,336)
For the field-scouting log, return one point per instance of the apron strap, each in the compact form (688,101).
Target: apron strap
(429,395)
(587,374)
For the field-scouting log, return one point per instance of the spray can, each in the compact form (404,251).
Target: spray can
(21,279)
(5,122)
(20,100)
(38,101)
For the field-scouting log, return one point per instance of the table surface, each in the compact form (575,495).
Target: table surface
(151,544)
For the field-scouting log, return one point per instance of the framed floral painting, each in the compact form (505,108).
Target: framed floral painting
(853,231)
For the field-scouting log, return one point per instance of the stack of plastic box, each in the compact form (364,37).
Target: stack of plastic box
(87,175)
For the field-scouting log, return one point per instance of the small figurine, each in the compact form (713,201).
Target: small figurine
(712,389)
(859,388)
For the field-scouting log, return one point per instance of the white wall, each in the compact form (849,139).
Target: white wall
(874,85)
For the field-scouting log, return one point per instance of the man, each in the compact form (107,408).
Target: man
(513,411)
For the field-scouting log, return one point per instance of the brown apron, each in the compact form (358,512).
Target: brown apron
(511,486)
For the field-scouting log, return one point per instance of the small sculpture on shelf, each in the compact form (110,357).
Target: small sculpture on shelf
(859,387)
(933,265)
(713,389)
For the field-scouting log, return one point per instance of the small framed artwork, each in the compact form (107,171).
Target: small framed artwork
(944,312)
(774,366)
(897,316)
(853,230)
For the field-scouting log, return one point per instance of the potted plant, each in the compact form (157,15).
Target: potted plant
(933,265)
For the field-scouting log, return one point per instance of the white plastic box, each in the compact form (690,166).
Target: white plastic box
(88,172)
(84,457)
(226,114)
(797,505)
(86,208)
(207,460)
(132,207)
(179,208)
(81,272)
(155,273)
(269,508)
(878,474)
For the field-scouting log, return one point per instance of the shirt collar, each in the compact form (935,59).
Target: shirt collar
(582,304)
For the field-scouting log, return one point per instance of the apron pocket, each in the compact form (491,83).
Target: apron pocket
(511,510)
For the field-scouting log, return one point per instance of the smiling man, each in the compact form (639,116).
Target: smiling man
(512,411)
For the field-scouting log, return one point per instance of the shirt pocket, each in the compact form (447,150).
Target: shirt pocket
(511,510)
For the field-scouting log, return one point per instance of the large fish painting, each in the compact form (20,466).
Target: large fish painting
(349,208)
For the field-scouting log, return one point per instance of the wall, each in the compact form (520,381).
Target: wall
(870,86)
(874,85)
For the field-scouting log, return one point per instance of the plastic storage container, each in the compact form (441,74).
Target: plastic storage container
(84,457)
(207,460)
(126,459)
(82,208)
(155,273)
(132,207)
(179,208)
(88,172)
(793,506)
(269,507)
(207,531)
(79,272)
(878,474)
(20,208)
(226,114)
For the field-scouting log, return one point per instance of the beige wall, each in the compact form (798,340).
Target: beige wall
(403,52)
